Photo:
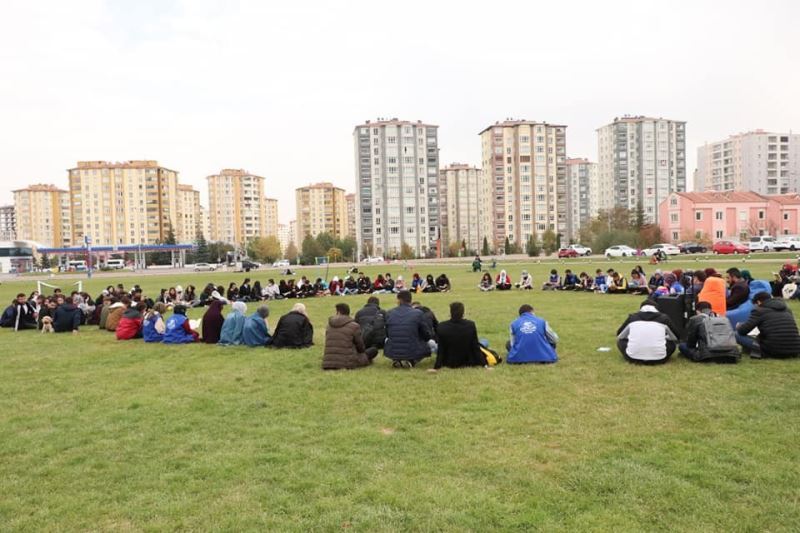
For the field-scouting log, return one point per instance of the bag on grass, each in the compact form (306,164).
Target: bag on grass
(721,340)
(492,358)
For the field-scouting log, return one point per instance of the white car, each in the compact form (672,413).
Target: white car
(283,263)
(581,249)
(371,260)
(761,243)
(669,249)
(787,243)
(204,267)
(619,250)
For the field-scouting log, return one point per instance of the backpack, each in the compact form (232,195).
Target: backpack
(720,339)
(492,359)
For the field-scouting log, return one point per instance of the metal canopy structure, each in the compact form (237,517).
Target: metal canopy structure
(178,251)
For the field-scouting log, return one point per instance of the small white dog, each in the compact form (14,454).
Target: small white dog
(47,325)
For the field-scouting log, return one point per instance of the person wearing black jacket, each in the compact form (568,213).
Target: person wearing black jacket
(777,330)
(372,320)
(696,348)
(294,330)
(738,289)
(430,319)
(458,341)
(407,333)
(67,318)
(19,315)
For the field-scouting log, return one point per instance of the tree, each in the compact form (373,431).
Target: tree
(532,248)
(549,243)
(334,255)
(218,251)
(325,241)
(202,255)
(453,248)
(406,252)
(291,252)
(637,217)
(507,247)
(366,249)
(310,250)
(649,235)
(347,246)
(485,250)
(265,249)
(45,261)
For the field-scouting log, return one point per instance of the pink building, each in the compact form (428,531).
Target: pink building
(728,215)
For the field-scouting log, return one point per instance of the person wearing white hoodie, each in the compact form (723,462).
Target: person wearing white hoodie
(647,337)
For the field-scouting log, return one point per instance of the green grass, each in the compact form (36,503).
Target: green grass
(99,434)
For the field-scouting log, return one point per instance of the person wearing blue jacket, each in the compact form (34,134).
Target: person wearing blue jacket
(178,329)
(153,326)
(256,330)
(532,339)
(233,327)
(407,334)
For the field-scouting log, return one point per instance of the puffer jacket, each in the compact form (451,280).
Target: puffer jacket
(130,325)
(344,347)
(293,331)
(407,334)
(372,320)
(114,316)
(777,329)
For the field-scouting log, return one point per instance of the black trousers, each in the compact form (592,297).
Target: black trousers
(622,344)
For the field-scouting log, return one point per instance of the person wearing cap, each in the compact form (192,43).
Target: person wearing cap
(458,344)
(178,329)
(213,320)
(294,330)
(232,328)
(256,328)
(647,337)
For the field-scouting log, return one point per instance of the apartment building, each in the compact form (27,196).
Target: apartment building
(321,208)
(525,165)
(641,160)
(284,237)
(350,200)
(397,197)
(43,215)
(189,220)
(465,205)
(236,206)
(758,161)
(205,223)
(129,202)
(583,194)
(8,224)
(271,217)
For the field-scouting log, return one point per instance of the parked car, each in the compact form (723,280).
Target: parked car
(248,265)
(761,243)
(692,248)
(729,247)
(116,264)
(567,252)
(619,250)
(581,249)
(283,263)
(371,260)
(669,249)
(787,243)
(204,267)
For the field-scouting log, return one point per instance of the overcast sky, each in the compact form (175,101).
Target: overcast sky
(277,87)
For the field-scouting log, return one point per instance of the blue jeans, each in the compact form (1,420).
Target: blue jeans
(747,342)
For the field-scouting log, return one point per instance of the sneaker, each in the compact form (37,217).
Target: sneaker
(397,364)
(407,364)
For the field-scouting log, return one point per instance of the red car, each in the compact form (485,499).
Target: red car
(567,252)
(729,247)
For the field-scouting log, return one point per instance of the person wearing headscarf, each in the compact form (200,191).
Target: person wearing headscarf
(430,284)
(399,284)
(294,330)
(212,322)
(256,328)
(503,281)
(525,281)
(335,287)
(231,332)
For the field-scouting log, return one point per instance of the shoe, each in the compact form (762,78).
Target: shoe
(397,364)
(407,364)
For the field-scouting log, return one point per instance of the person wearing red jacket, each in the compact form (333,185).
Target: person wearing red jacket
(130,325)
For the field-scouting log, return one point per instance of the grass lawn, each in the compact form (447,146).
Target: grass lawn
(99,434)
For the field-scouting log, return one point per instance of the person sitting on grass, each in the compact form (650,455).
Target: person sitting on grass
(656,281)
(108,301)
(503,281)
(255,332)
(364,285)
(553,281)
(399,285)
(212,322)
(115,315)
(571,281)
(532,339)
(257,292)
(19,315)
(244,290)
(714,292)
(67,317)
(442,283)
(637,283)
(232,328)
(430,284)
(587,284)
(600,281)
(335,286)
(350,286)
(179,330)
(617,284)
(294,330)
(738,290)
(153,326)
(48,310)
(407,334)
(777,338)
(647,337)
(709,340)
(417,283)
(458,344)
(130,325)
(525,281)
(344,343)
(673,284)
(372,321)
(486,283)
(233,292)
(388,283)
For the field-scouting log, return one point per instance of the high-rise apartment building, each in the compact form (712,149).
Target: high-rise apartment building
(205,223)
(132,202)
(582,194)
(43,215)
(321,208)
(350,200)
(293,233)
(236,206)
(284,237)
(464,205)
(758,161)
(189,221)
(525,165)
(271,217)
(8,223)
(397,197)
(641,160)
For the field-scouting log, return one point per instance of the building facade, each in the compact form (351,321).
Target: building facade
(321,208)
(397,197)
(641,160)
(205,223)
(271,217)
(728,215)
(8,223)
(284,237)
(525,165)
(758,161)
(464,206)
(43,215)
(236,206)
(130,202)
(350,200)
(189,219)
(582,195)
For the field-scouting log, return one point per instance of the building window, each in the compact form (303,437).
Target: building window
(718,215)
(761,215)
(786,216)
(719,234)
(673,217)
(698,215)
(674,235)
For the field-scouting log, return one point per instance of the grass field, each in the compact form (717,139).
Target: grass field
(105,435)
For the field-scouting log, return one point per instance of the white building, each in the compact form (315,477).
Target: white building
(397,168)
(465,206)
(583,194)
(8,223)
(758,161)
(641,160)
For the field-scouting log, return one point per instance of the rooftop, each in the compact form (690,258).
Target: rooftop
(740,196)
(395,122)
(40,187)
(512,122)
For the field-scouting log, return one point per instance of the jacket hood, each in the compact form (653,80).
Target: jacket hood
(338,321)
(775,304)
(132,313)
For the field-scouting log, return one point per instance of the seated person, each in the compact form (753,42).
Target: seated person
(586,282)
(344,343)
(713,292)
(698,280)
(430,284)
(503,281)
(637,283)
(232,331)
(407,334)
(671,286)
(442,283)
(532,339)
(372,321)
(417,283)
(458,344)
(153,326)
(179,330)
(335,287)
(738,290)
(656,281)
(709,338)
(777,329)
(571,281)
(399,285)
(67,317)
(617,284)
(257,292)
(553,281)
(350,286)
(130,325)
(377,284)
(600,281)
(19,315)
(47,310)
(255,331)
(212,322)
(320,287)
(486,283)
(364,285)
(647,337)
(388,283)
(294,330)
(525,281)
(115,314)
